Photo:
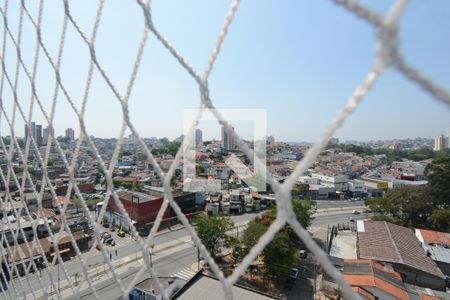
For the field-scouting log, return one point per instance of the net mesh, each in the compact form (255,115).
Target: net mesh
(46,284)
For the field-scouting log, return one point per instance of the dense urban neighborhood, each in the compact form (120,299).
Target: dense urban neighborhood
(380,210)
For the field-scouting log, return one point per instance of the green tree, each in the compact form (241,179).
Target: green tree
(282,252)
(300,190)
(212,232)
(438,174)
(280,256)
(441,219)
(409,204)
(254,231)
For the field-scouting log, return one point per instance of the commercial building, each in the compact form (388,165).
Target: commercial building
(339,182)
(143,209)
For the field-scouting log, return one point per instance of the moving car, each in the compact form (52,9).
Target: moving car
(355,212)
(121,233)
(109,241)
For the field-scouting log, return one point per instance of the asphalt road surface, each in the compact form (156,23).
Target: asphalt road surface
(165,266)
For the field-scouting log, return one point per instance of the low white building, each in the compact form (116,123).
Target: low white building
(339,182)
(357,187)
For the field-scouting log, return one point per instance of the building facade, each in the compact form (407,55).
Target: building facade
(198,137)
(228,142)
(440,143)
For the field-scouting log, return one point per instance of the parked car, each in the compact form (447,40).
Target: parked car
(106,225)
(355,212)
(121,233)
(303,254)
(105,235)
(294,273)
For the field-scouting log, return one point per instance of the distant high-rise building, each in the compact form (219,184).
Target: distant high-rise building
(33,131)
(198,137)
(440,143)
(448,137)
(228,142)
(38,135)
(45,134)
(334,141)
(25,132)
(70,134)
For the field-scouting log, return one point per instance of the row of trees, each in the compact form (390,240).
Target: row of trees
(393,155)
(169,148)
(422,206)
(279,256)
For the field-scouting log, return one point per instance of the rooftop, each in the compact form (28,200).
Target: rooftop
(204,287)
(388,242)
(434,237)
(344,245)
(135,197)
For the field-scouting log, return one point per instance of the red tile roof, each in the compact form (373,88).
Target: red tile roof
(361,272)
(435,237)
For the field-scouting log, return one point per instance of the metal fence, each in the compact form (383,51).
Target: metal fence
(387,56)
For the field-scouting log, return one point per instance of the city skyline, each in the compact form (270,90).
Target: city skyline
(301,77)
(213,134)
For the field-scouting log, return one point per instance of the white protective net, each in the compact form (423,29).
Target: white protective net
(44,285)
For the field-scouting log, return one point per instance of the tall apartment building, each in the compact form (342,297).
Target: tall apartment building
(45,134)
(198,137)
(38,135)
(33,131)
(70,134)
(440,142)
(228,142)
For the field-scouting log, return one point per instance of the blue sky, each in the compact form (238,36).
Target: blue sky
(299,60)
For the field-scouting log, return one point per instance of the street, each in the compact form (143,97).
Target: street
(180,256)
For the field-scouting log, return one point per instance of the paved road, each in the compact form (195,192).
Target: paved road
(165,265)
(169,265)
(337,218)
(337,203)
(181,260)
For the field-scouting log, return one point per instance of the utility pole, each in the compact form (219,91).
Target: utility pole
(315,281)
(198,258)
(151,255)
